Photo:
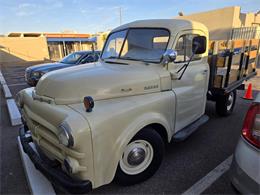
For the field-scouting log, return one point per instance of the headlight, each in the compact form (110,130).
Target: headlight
(37,74)
(64,135)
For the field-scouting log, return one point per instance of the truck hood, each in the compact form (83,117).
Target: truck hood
(98,80)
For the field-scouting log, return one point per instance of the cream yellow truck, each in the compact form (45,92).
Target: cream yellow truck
(109,120)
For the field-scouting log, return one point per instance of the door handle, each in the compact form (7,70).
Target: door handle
(126,90)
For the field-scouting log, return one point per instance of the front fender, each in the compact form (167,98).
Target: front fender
(114,123)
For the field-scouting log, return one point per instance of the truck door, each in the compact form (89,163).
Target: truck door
(191,89)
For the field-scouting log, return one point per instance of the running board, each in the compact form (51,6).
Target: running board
(188,130)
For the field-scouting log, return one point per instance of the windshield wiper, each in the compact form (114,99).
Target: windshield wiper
(129,58)
(112,62)
(110,57)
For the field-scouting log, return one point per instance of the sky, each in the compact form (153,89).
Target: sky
(91,16)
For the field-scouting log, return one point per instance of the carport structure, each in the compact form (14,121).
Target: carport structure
(60,44)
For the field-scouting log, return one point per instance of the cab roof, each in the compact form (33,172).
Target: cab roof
(173,25)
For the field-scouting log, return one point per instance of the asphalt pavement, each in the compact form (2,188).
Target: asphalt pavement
(184,163)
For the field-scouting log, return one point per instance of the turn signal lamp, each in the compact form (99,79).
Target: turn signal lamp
(88,103)
(251,128)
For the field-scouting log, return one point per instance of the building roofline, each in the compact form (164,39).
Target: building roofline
(49,35)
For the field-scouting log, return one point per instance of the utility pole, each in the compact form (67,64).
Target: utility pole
(120,16)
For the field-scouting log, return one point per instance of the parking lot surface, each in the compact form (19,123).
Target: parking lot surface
(184,163)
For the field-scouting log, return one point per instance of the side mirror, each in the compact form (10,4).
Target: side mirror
(169,56)
(199,45)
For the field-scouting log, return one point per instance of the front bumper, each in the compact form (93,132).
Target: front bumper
(244,168)
(54,174)
(242,182)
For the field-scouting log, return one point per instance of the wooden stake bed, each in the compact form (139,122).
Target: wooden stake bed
(231,63)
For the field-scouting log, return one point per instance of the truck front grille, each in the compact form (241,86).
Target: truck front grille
(48,141)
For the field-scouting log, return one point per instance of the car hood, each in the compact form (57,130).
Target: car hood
(47,67)
(99,80)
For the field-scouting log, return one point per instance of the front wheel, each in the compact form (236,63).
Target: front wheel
(141,157)
(225,103)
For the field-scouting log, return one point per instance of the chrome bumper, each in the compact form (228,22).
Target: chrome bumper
(54,174)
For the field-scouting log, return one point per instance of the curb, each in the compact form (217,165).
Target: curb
(38,183)
(6,91)
(2,79)
(14,113)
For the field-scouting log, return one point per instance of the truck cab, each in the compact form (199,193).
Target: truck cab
(111,119)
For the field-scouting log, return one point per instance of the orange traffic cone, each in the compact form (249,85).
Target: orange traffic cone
(249,95)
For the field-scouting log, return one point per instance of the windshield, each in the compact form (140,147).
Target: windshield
(137,44)
(72,58)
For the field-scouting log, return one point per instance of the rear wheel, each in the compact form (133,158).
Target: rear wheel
(141,158)
(225,103)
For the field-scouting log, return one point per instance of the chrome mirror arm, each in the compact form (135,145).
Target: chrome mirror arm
(168,56)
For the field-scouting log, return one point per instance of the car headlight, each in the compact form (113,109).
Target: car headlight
(64,135)
(37,74)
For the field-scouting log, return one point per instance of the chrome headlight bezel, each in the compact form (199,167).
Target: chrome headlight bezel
(64,135)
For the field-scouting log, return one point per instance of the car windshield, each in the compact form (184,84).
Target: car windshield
(137,44)
(72,58)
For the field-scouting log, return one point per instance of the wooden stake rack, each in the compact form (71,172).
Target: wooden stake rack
(231,63)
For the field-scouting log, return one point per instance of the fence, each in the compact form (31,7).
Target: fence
(245,33)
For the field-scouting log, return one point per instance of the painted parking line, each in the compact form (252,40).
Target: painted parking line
(16,84)
(2,79)
(15,75)
(210,178)
(7,91)
(7,73)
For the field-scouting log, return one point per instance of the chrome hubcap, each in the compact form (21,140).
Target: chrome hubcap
(137,157)
(230,101)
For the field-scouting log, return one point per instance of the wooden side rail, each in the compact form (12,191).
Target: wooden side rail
(231,60)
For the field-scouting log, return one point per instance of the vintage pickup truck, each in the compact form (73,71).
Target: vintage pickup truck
(112,119)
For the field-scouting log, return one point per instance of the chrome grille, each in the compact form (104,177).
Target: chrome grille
(48,141)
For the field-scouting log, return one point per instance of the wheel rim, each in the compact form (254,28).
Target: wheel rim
(137,157)
(230,101)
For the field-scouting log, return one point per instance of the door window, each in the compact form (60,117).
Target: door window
(184,48)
